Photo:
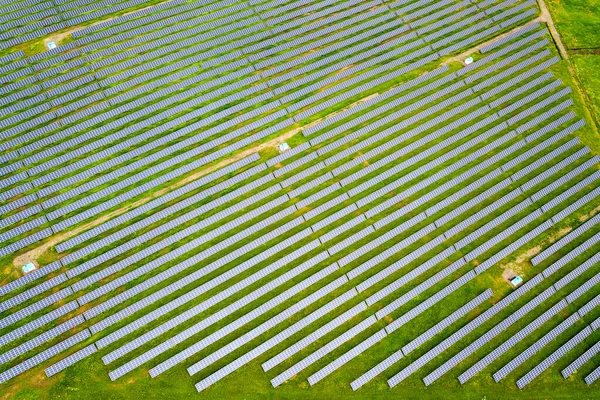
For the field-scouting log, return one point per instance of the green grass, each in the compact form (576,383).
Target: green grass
(89,379)
(578,24)
(577,21)
(588,71)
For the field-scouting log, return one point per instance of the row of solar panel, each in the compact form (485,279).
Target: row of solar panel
(198,291)
(320,37)
(139,17)
(161,10)
(90,13)
(44,355)
(322,57)
(41,339)
(236,324)
(166,241)
(447,321)
(176,50)
(410,257)
(15,18)
(76,240)
(462,332)
(264,328)
(322,352)
(544,365)
(533,325)
(489,335)
(126,144)
(172,271)
(73,206)
(512,341)
(28,345)
(286,333)
(189,18)
(48,267)
(547,252)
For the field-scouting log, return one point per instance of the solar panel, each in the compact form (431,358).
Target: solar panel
(33,275)
(22,297)
(346,357)
(265,346)
(579,270)
(473,324)
(581,360)
(565,240)
(44,355)
(70,360)
(376,370)
(414,312)
(35,307)
(183,335)
(179,357)
(281,336)
(323,351)
(510,37)
(534,348)
(512,341)
(394,153)
(447,321)
(488,336)
(552,358)
(41,339)
(593,377)
(76,240)
(312,337)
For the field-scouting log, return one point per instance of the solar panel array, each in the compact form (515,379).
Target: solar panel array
(136,151)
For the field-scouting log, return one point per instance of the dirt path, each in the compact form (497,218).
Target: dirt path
(34,254)
(58,37)
(522,260)
(460,58)
(547,18)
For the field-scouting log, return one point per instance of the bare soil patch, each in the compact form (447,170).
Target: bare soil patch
(508,274)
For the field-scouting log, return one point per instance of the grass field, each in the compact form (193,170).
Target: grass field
(578,23)
(587,67)
(172,211)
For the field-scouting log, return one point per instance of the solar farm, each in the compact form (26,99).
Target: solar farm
(286,199)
